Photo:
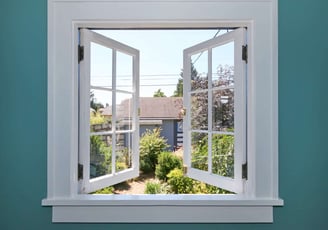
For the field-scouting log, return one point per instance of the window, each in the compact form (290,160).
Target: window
(216,110)
(122,130)
(253,128)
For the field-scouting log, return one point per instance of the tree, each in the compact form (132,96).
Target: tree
(159,93)
(179,88)
(93,102)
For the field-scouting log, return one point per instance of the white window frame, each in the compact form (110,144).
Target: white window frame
(261,190)
(235,184)
(88,185)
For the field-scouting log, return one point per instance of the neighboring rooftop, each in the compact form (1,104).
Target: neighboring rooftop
(151,107)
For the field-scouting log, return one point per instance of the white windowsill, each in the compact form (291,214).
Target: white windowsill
(162,208)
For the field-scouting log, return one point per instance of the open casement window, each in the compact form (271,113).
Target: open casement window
(109,136)
(215,100)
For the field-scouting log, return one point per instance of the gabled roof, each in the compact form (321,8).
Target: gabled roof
(151,108)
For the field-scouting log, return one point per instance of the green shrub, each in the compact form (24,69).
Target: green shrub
(180,184)
(100,157)
(222,152)
(167,161)
(153,188)
(151,145)
(107,190)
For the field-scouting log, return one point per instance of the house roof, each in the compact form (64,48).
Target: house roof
(151,108)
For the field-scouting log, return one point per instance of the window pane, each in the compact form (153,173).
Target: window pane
(199,71)
(100,155)
(199,151)
(100,110)
(199,109)
(223,110)
(124,71)
(124,111)
(101,66)
(223,155)
(223,65)
(123,151)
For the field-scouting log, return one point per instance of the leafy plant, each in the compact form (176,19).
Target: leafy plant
(107,190)
(151,145)
(222,154)
(167,161)
(100,157)
(153,188)
(180,184)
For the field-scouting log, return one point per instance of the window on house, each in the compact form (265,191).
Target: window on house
(219,108)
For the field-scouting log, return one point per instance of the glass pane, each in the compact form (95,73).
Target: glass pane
(100,155)
(199,71)
(100,110)
(124,111)
(199,108)
(123,151)
(101,66)
(199,151)
(223,110)
(124,71)
(223,65)
(223,155)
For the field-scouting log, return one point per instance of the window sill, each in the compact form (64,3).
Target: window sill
(162,208)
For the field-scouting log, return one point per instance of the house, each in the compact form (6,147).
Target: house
(155,112)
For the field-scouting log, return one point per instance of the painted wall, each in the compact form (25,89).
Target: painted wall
(303,104)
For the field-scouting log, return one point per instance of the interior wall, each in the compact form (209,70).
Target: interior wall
(303,113)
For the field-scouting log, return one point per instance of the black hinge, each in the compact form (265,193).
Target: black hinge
(80,53)
(244,171)
(80,171)
(244,54)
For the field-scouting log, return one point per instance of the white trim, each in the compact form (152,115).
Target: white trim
(167,214)
(65,16)
(174,209)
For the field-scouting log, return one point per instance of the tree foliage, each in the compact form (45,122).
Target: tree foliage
(94,104)
(159,93)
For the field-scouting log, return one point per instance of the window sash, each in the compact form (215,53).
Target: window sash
(87,184)
(234,184)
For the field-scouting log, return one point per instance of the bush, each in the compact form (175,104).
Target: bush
(222,152)
(180,184)
(107,190)
(153,188)
(167,161)
(100,157)
(151,145)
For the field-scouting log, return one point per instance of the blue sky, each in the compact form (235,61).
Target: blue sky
(161,55)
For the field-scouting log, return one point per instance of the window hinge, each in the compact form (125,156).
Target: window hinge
(244,53)
(244,171)
(80,52)
(80,172)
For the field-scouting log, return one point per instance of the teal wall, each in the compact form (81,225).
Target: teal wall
(303,114)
